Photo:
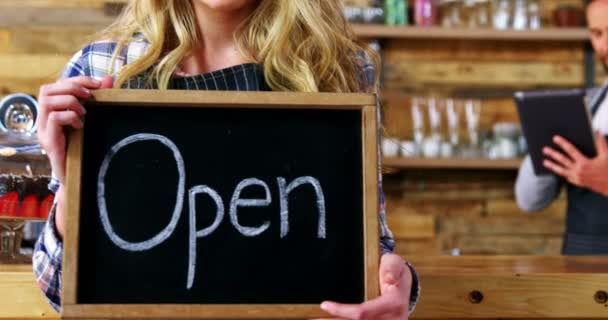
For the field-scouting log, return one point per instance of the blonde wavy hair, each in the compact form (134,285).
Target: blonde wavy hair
(302,45)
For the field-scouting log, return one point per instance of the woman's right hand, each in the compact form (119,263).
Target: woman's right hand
(59,107)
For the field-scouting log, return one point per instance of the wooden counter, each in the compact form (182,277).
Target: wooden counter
(468,287)
(512,287)
(20,297)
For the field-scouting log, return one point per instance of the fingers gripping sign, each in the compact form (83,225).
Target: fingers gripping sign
(392,304)
(60,107)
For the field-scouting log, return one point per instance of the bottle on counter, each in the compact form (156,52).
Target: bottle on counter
(501,16)
(432,144)
(425,12)
(451,13)
(483,13)
(395,12)
(520,15)
(417,125)
(374,12)
(534,19)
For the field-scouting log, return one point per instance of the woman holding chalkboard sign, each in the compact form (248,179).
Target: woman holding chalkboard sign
(244,45)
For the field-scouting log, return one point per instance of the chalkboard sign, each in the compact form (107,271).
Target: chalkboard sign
(184,204)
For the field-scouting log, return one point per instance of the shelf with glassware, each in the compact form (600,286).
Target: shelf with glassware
(380,31)
(446,134)
(519,20)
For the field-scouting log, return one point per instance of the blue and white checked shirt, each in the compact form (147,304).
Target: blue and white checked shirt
(94,61)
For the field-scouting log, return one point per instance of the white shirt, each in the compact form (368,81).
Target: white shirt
(600,119)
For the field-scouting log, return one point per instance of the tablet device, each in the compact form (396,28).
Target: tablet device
(544,114)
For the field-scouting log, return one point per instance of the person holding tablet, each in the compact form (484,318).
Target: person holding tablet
(585,179)
(237,45)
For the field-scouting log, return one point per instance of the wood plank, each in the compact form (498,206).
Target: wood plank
(54,3)
(503,244)
(508,207)
(242,99)
(451,163)
(18,16)
(408,226)
(600,74)
(502,225)
(521,287)
(47,40)
(408,247)
(415,32)
(463,50)
(508,265)
(35,66)
(190,311)
(513,296)
(438,208)
(369,142)
(4,41)
(480,73)
(21,297)
(71,239)
(27,86)
(457,194)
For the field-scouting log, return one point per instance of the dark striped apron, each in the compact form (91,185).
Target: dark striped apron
(587,216)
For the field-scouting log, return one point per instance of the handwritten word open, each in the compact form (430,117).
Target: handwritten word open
(235,202)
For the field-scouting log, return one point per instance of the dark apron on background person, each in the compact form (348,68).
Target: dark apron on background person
(587,214)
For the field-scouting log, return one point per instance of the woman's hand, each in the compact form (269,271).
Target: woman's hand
(393,303)
(59,107)
(578,169)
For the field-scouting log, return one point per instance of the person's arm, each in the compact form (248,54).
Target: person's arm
(399,284)
(387,242)
(48,256)
(387,245)
(59,108)
(532,192)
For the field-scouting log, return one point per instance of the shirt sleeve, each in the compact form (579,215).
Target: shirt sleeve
(47,261)
(47,256)
(534,192)
(387,242)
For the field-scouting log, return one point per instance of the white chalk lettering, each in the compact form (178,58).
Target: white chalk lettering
(236,202)
(219,215)
(284,211)
(101,200)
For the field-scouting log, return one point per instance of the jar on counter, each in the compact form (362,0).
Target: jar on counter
(505,144)
(425,12)
(469,14)
(501,15)
(483,13)
(520,15)
(24,176)
(450,12)
(534,19)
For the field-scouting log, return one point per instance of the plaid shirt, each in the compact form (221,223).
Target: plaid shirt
(94,61)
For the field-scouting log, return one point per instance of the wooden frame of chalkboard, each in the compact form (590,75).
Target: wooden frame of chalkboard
(363,104)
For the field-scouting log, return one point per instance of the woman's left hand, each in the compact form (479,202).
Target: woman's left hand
(590,173)
(392,304)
